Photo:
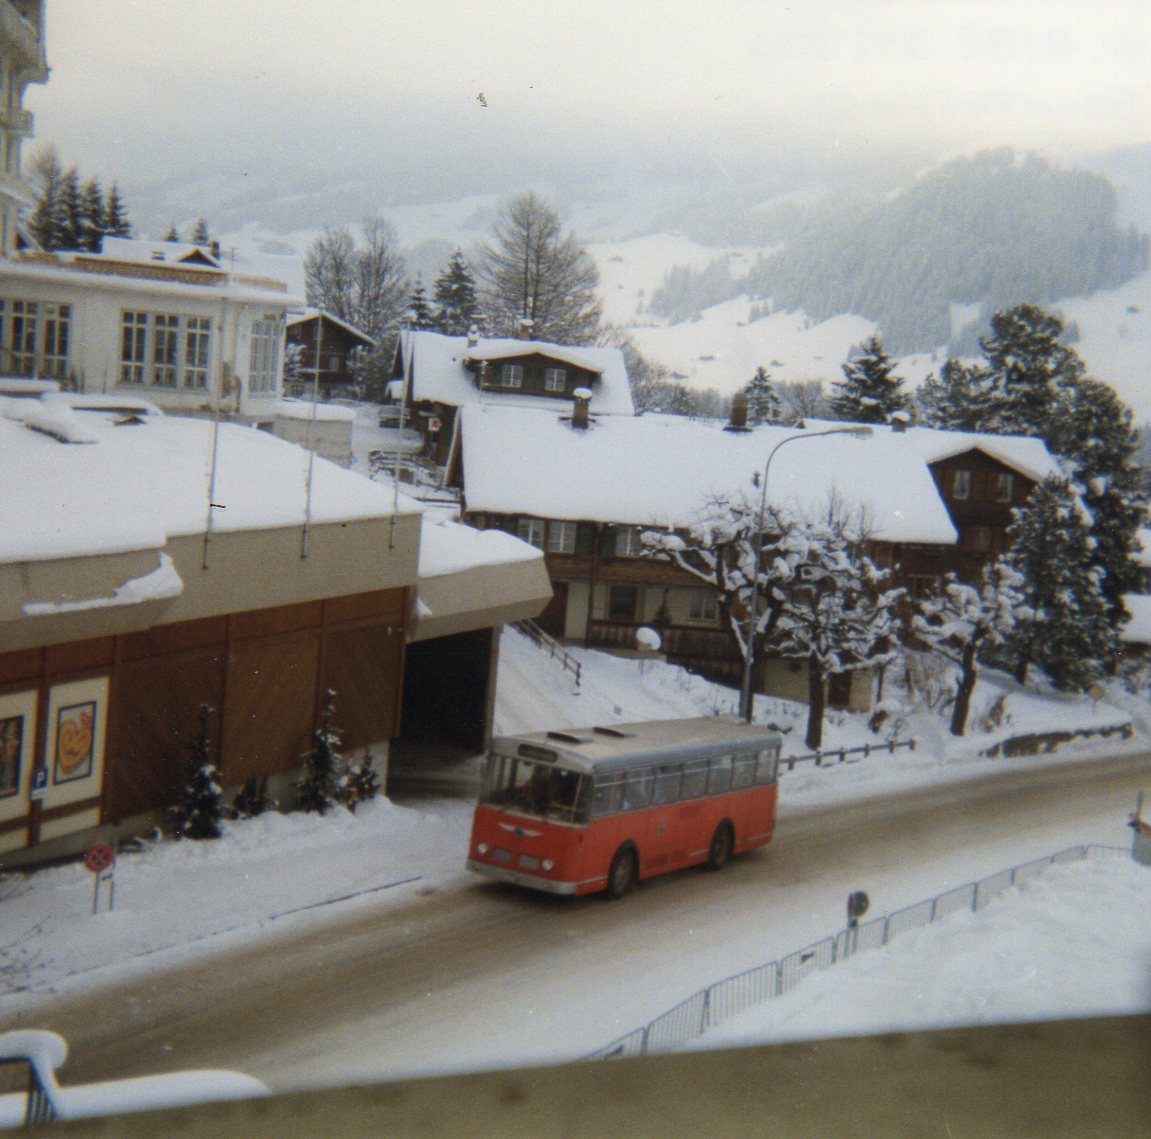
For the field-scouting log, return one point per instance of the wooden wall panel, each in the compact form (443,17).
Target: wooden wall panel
(363,666)
(154,710)
(271,704)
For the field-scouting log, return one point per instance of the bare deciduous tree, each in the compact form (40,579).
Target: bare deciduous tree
(538,282)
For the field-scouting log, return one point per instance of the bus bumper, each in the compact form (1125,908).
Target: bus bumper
(517,879)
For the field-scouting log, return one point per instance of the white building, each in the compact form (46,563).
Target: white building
(21,62)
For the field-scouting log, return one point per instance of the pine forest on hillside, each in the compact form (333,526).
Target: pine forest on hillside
(988,231)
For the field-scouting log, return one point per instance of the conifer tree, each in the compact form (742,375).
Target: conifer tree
(49,219)
(1093,429)
(1069,634)
(198,813)
(173,234)
(72,210)
(456,302)
(870,391)
(94,209)
(200,235)
(318,789)
(1027,364)
(115,222)
(763,404)
(419,310)
(958,400)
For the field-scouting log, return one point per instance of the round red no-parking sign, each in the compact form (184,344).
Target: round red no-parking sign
(99,857)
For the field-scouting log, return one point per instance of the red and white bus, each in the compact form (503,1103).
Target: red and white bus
(574,812)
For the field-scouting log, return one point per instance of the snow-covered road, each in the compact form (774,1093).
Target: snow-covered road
(475,975)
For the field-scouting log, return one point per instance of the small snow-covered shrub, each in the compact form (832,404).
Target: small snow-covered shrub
(199,810)
(253,799)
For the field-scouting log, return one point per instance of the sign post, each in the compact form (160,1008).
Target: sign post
(857,905)
(101,861)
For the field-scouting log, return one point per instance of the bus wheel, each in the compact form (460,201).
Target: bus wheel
(621,878)
(722,845)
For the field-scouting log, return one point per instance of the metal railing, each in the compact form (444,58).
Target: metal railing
(722,1000)
(840,754)
(550,645)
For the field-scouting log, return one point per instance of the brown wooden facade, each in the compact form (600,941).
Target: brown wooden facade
(263,672)
(337,346)
(980,494)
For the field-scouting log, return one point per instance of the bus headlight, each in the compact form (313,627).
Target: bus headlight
(482,848)
(548,864)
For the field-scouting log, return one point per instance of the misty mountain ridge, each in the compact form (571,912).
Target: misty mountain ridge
(976,234)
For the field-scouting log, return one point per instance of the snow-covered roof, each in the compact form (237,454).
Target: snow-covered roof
(449,547)
(288,269)
(438,367)
(311,313)
(158,252)
(1022,453)
(128,483)
(660,470)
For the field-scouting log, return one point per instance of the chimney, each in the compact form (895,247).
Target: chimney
(581,400)
(473,336)
(900,421)
(738,420)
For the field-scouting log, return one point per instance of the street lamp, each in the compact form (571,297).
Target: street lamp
(860,431)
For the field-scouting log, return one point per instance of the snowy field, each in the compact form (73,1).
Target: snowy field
(1076,941)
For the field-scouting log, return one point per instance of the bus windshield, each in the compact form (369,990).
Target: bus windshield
(533,788)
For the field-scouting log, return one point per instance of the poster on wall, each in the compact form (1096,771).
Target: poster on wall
(17,739)
(75,742)
(74,748)
(11,755)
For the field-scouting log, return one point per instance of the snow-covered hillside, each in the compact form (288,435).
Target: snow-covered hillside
(721,348)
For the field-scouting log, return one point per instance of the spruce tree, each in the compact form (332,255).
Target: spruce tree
(72,211)
(1027,364)
(94,213)
(870,391)
(173,234)
(200,234)
(1069,634)
(456,303)
(1093,429)
(318,789)
(49,219)
(958,400)
(198,813)
(116,223)
(419,310)
(762,400)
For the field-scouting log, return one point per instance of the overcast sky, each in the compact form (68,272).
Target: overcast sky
(227,86)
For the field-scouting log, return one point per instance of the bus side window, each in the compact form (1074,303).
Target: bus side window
(694,779)
(719,775)
(637,790)
(767,768)
(667,782)
(606,795)
(743,772)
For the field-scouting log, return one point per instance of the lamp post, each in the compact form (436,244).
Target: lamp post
(746,700)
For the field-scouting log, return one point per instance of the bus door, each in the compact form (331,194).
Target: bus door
(668,846)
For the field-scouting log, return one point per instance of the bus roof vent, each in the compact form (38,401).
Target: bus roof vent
(615,733)
(567,738)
